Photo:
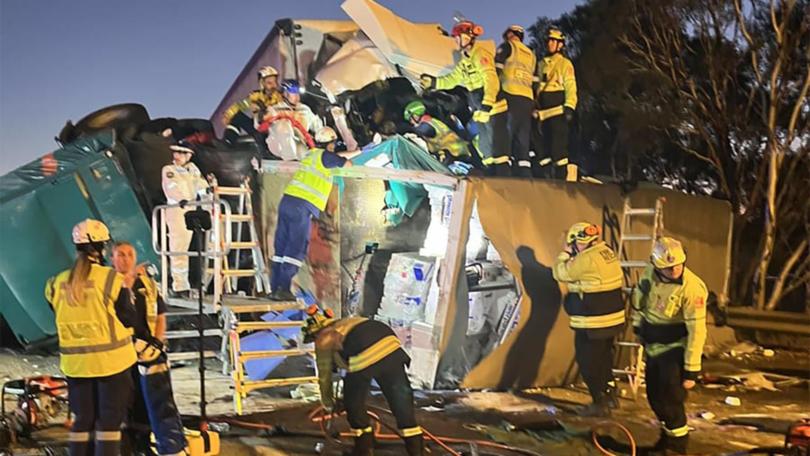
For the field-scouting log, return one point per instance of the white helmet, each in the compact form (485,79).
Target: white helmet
(325,135)
(266,72)
(89,230)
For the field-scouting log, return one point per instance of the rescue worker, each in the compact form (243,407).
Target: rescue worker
(153,408)
(182,182)
(291,105)
(670,321)
(442,142)
(240,115)
(516,64)
(593,275)
(94,316)
(476,72)
(557,101)
(368,350)
(304,199)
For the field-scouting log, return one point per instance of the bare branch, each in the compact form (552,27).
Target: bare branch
(776,294)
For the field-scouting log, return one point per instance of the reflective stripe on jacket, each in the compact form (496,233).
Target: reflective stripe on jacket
(92,341)
(150,291)
(445,139)
(313,181)
(673,311)
(594,279)
(557,75)
(518,70)
(257,97)
(475,70)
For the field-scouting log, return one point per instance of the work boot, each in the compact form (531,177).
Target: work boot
(612,395)
(282,295)
(364,445)
(414,445)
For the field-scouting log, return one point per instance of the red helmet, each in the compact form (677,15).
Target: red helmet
(467,28)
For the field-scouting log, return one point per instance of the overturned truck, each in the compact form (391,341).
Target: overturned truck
(459,267)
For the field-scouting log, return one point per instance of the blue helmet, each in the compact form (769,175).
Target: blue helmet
(291,86)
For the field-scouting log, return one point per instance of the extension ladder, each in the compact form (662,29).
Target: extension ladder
(635,371)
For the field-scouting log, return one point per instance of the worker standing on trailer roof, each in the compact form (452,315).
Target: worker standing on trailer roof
(670,321)
(516,64)
(182,182)
(240,116)
(304,199)
(476,72)
(594,304)
(368,350)
(153,410)
(94,317)
(557,100)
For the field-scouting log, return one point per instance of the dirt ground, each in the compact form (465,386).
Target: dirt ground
(540,421)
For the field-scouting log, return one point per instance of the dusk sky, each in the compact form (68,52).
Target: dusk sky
(60,60)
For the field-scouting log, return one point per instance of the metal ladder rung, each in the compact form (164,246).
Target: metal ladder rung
(240,218)
(634,264)
(247,356)
(637,237)
(243,326)
(182,334)
(185,356)
(240,245)
(248,386)
(187,312)
(233,191)
(628,344)
(235,272)
(640,211)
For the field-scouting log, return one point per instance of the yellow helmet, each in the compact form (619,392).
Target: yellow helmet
(556,34)
(582,232)
(668,252)
(317,319)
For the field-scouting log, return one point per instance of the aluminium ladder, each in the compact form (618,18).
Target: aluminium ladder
(635,371)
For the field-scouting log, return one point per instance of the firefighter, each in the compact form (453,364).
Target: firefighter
(594,304)
(670,321)
(94,317)
(476,72)
(368,350)
(557,100)
(153,409)
(240,115)
(304,198)
(291,105)
(516,64)
(442,142)
(182,182)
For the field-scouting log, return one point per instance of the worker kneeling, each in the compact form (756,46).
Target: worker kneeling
(367,349)
(594,304)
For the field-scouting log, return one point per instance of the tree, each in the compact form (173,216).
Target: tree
(709,97)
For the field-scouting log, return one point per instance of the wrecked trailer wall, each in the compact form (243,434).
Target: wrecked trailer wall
(39,204)
(526,221)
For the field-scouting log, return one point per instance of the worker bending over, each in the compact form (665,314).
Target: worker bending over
(367,350)
(593,275)
(304,199)
(670,321)
(516,64)
(476,73)
(557,100)
(445,144)
(94,317)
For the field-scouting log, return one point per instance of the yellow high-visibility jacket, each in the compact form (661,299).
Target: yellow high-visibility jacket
(672,315)
(92,340)
(594,280)
(517,70)
(558,82)
(313,181)
(257,97)
(476,70)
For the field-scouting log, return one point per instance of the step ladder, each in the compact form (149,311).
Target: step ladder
(234,358)
(634,372)
(183,312)
(243,218)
